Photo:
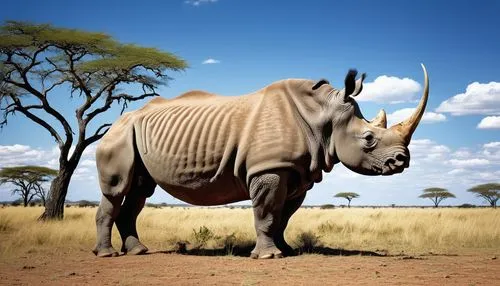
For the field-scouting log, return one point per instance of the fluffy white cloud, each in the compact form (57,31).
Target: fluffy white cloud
(210,61)
(390,89)
(199,2)
(489,122)
(14,155)
(491,145)
(492,150)
(478,98)
(464,163)
(457,171)
(461,154)
(428,150)
(87,163)
(490,176)
(402,114)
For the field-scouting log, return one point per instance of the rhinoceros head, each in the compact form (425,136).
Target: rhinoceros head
(369,147)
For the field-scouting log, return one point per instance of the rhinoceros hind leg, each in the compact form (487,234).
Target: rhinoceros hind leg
(268,193)
(106,214)
(290,207)
(142,187)
(126,224)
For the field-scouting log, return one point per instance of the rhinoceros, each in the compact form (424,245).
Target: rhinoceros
(269,147)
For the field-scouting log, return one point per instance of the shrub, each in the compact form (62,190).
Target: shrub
(202,236)
(327,207)
(307,241)
(152,205)
(229,242)
(85,203)
(466,206)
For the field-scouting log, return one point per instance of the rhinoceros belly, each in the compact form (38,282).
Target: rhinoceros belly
(200,190)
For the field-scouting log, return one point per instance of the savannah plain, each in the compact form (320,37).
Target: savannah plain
(210,246)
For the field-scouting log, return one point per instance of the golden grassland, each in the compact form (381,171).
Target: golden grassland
(395,231)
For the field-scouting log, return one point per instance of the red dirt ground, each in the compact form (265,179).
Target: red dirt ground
(82,268)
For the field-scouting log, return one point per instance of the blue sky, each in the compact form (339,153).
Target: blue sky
(253,43)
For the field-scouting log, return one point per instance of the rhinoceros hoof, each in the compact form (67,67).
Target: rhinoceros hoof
(269,254)
(105,252)
(137,250)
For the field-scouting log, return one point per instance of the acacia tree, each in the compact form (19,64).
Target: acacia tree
(436,195)
(41,193)
(27,180)
(348,196)
(37,60)
(489,192)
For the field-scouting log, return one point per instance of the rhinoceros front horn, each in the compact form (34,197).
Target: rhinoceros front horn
(407,127)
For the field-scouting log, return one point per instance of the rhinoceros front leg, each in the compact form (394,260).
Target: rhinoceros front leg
(105,217)
(290,207)
(268,193)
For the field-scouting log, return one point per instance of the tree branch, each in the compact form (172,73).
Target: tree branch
(19,107)
(106,106)
(81,85)
(128,98)
(58,83)
(97,135)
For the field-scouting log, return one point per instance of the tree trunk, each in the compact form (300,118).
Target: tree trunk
(54,206)
(436,201)
(25,201)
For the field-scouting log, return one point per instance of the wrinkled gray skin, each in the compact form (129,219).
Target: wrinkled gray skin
(270,147)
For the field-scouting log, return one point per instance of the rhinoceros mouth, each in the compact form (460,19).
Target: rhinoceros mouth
(377,170)
(387,171)
(390,171)
(390,167)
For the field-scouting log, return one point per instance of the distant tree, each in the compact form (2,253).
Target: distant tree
(489,192)
(41,193)
(38,59)
(27,180)
(348,196)
(436,195)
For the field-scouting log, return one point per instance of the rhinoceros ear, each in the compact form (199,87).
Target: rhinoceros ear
(320,83)
(352,86)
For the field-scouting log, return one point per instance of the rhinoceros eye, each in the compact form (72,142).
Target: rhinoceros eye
(369,139)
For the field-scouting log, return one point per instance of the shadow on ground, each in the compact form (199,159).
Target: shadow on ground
(244,251)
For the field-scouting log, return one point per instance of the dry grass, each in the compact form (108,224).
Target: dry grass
(414,231)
